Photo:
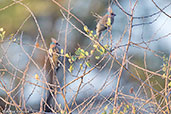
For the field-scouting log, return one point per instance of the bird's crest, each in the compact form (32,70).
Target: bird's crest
(110,10)
(53,40)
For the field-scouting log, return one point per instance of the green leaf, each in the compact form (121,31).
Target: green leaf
(124,109)
(67,55)
(86,29)
(2,33)
(86,53)
(97,57)
(164,76)
(62,51)
(164,68)
(14,39)
(88,64)
(73,58)
(169,84)
(170,76)
(90,34)
(106,47)
(127,106)
(71,68)
(106,107)
(81,66)
(104,112)
(111,99)
(1,29)
(78,51)
(81,56)
(95,46)
(110,111)
(101,50)
(95,35)
(70,61)
(91,52)
(81,53)
(82,50)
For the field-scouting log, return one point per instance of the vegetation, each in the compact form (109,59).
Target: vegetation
(126,70)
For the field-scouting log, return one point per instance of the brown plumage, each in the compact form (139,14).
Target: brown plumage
(54,54)
(102,24)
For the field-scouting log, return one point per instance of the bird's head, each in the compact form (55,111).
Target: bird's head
(54,43)
(111,12)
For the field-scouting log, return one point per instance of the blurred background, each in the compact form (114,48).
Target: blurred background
(17,22)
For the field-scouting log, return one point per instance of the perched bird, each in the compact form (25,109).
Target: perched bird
(54,54)
(105,22)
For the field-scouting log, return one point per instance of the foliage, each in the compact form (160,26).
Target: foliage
(2,34)
(105,75)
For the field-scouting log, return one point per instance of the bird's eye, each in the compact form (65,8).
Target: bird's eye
(57,44)
(113,14)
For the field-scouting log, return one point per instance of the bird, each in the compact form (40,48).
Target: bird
(54,54)
(105,22)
